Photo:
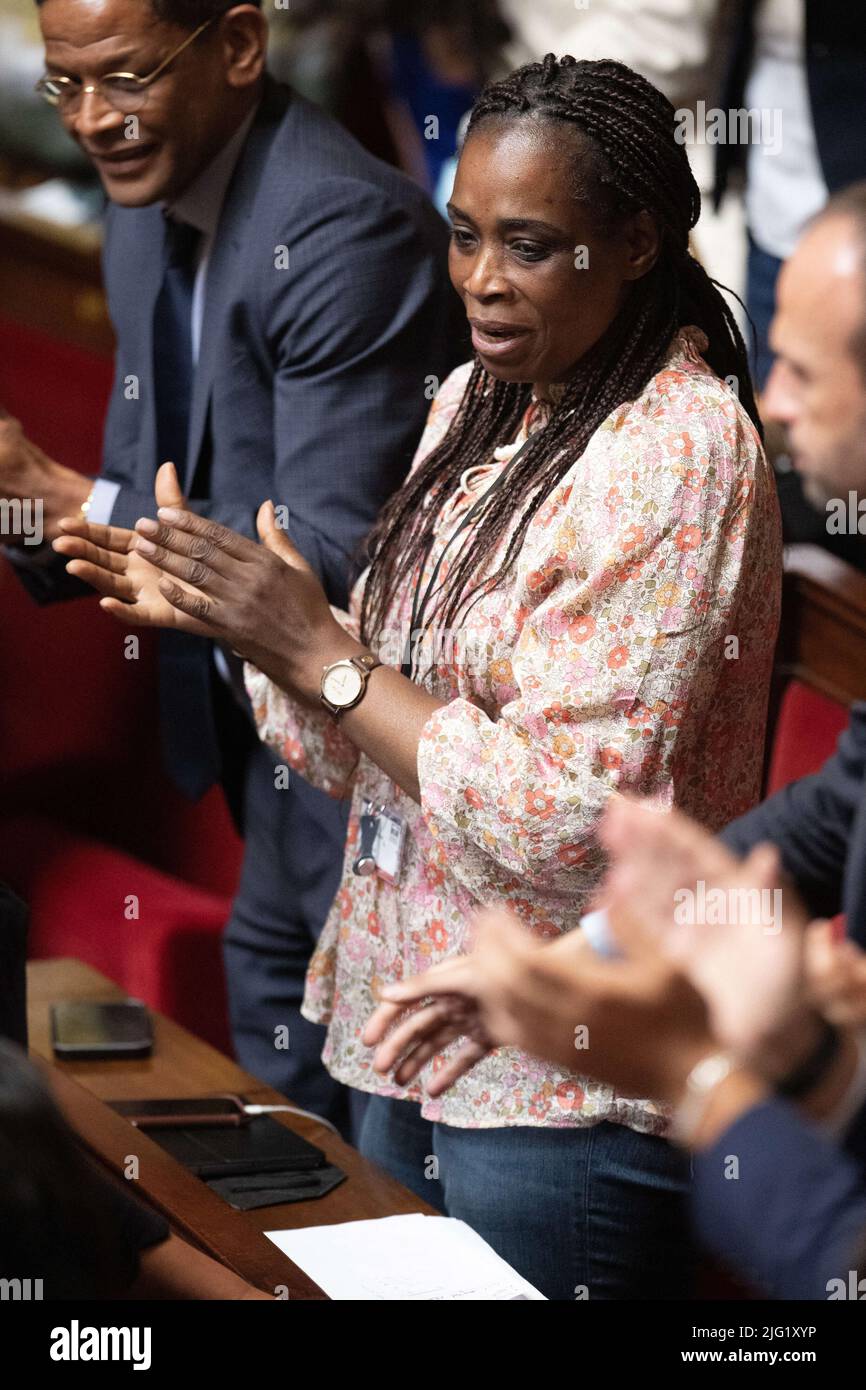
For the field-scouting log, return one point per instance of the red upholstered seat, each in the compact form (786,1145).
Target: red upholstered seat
(157,937)
(87,817)
(808,726)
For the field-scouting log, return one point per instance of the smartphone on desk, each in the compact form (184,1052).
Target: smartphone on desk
(204,1111)
(83,1030)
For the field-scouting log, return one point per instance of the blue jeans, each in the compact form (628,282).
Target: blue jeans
(598,1213)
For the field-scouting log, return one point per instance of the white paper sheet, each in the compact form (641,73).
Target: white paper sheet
(403,1257)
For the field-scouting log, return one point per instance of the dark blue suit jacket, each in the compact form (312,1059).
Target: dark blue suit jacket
(795,1216)
(793,1219)
(314,380)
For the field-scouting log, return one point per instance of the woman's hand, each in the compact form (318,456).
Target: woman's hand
(264,601)
(183,571)
(106,558)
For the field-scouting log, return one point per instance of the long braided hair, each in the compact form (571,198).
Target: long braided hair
(632,162)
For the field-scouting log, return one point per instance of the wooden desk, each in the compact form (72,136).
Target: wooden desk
(183,1065)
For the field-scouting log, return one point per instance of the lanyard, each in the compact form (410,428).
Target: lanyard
(419,601)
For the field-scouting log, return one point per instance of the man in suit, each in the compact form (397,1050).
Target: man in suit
(283,315)
(817,393)
(807,60)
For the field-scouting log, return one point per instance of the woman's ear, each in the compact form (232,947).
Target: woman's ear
(643,244)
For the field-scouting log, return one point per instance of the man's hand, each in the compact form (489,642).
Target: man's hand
(735,928)
(458,998)
(836,976)
(26,474)
(106,558)
(639,1025)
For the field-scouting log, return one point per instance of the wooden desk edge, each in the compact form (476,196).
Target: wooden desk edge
(207,1221)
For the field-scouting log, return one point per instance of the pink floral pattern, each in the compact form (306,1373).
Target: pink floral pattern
(629,649)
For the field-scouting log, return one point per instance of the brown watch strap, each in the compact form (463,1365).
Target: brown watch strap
(367,660)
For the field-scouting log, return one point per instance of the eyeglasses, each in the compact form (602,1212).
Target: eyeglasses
(123,91)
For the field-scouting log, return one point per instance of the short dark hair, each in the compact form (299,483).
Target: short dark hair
(189,14)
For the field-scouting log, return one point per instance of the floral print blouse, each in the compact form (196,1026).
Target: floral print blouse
(629,649)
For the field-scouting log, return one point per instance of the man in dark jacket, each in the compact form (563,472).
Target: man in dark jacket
(283,317)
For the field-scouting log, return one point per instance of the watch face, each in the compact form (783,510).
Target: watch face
(342,684)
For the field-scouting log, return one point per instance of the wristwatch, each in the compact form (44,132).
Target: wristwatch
(344,682)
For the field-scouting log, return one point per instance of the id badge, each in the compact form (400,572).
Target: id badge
(388,846)
(382,836)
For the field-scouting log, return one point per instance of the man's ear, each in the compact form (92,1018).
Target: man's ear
(243,34)
(643,244)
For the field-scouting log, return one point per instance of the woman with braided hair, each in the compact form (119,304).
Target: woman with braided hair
(588,545)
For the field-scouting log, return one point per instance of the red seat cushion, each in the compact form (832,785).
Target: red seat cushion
(808,726)
(84,897)
(806,733)
(81,783)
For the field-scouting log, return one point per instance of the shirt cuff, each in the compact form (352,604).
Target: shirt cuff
(36,557)
(102,501)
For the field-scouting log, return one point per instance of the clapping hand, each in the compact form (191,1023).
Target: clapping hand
(29,475)
(639,1025)
(464,997)
(184,571)
(735,928)
(107,558)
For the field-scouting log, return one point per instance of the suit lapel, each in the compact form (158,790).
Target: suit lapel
(223,265)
